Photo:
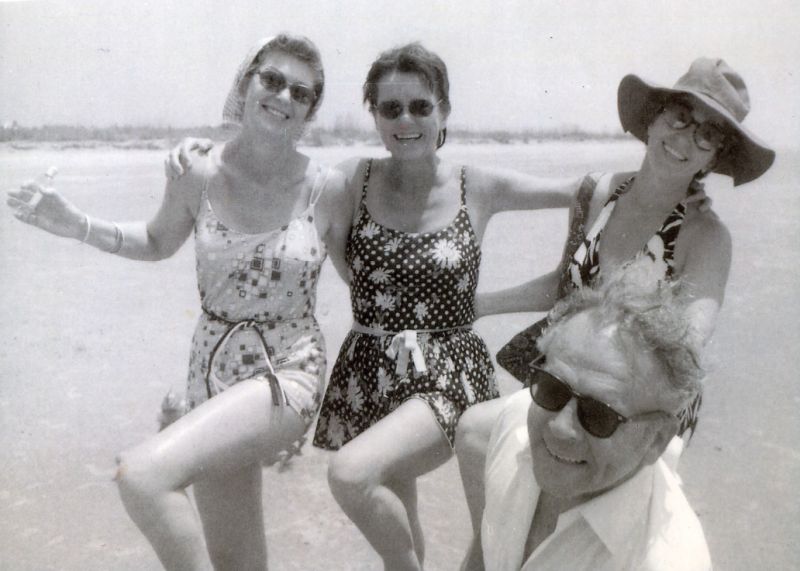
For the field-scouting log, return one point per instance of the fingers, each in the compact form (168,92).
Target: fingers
(26,198)
(177,163)
(203,146)
(24,214)
(179,160)
(172,167)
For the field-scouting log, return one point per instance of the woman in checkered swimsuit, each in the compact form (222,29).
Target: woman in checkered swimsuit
(260,211)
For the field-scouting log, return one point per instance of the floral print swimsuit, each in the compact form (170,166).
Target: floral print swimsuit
(412,298)
(659,251)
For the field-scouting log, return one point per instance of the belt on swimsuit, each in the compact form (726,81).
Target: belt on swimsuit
(404,345)
(278,396)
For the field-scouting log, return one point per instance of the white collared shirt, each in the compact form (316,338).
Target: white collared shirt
(645,523)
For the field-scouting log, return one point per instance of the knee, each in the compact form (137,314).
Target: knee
(350,477)
(135,477)
(472,434)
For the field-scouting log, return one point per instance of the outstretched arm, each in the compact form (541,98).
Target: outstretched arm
(541,293)
(538,294)
(46,208)
(503,190)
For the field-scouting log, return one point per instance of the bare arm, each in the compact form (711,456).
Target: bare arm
(154,240)
(538,294)
(503,190)
(335,212)
(705,270)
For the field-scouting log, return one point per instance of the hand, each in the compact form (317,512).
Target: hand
(697,194)
(172,408)
(178,162)
(45,208)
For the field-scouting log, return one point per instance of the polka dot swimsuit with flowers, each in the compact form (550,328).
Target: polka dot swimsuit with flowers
(403,282)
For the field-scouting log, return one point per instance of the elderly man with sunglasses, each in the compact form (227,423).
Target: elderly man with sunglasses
(574,478)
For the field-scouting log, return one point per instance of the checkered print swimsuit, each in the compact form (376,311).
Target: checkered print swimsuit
(408,289)
(258,293)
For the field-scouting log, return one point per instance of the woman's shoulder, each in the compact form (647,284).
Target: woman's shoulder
(704,224)
(603,186)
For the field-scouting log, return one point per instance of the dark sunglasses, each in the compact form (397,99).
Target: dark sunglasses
(392,108)
(596,418)
(274,81)
(708,136)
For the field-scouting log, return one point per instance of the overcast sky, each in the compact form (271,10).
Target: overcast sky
(513,65)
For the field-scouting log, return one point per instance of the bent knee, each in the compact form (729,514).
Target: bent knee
(135,476)
(350,475)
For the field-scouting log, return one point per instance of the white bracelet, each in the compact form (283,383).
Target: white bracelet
(119,239)
(88,228)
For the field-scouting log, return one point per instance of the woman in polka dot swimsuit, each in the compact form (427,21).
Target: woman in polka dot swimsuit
(412,363)
(422,283)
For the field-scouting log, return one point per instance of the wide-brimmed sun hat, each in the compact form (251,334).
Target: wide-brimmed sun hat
(714,86)
(233,110)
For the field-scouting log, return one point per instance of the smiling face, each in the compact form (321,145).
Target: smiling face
(277,110)
(674,150)
(409,135)
(591,357)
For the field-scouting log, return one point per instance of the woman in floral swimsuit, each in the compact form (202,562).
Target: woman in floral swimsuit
(412,363)
(259,210)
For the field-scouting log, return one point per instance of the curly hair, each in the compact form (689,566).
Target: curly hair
(299,47)
(648,312)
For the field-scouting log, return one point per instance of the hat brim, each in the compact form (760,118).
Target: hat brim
(638,101)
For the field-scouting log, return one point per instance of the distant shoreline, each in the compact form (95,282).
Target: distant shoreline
(64,137)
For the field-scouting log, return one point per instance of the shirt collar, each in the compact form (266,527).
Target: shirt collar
(620,512)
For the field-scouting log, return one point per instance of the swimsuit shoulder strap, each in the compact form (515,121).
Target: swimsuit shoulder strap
(463,187)
(320,180)
(669,236)
(367,170)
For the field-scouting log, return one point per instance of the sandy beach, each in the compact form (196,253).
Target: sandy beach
(91,343)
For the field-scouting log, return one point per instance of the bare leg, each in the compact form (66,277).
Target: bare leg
(365,473)
(472,440)
(233,522)
(406,490)
(235,430)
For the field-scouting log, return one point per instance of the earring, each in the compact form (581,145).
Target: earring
(441,138)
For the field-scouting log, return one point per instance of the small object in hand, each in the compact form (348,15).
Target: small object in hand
(172,408)
(36,197)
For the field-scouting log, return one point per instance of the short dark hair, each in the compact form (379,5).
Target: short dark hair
(299,47)
(410,58)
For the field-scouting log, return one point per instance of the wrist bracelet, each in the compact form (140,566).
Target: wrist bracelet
(119,239)
(88,228)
